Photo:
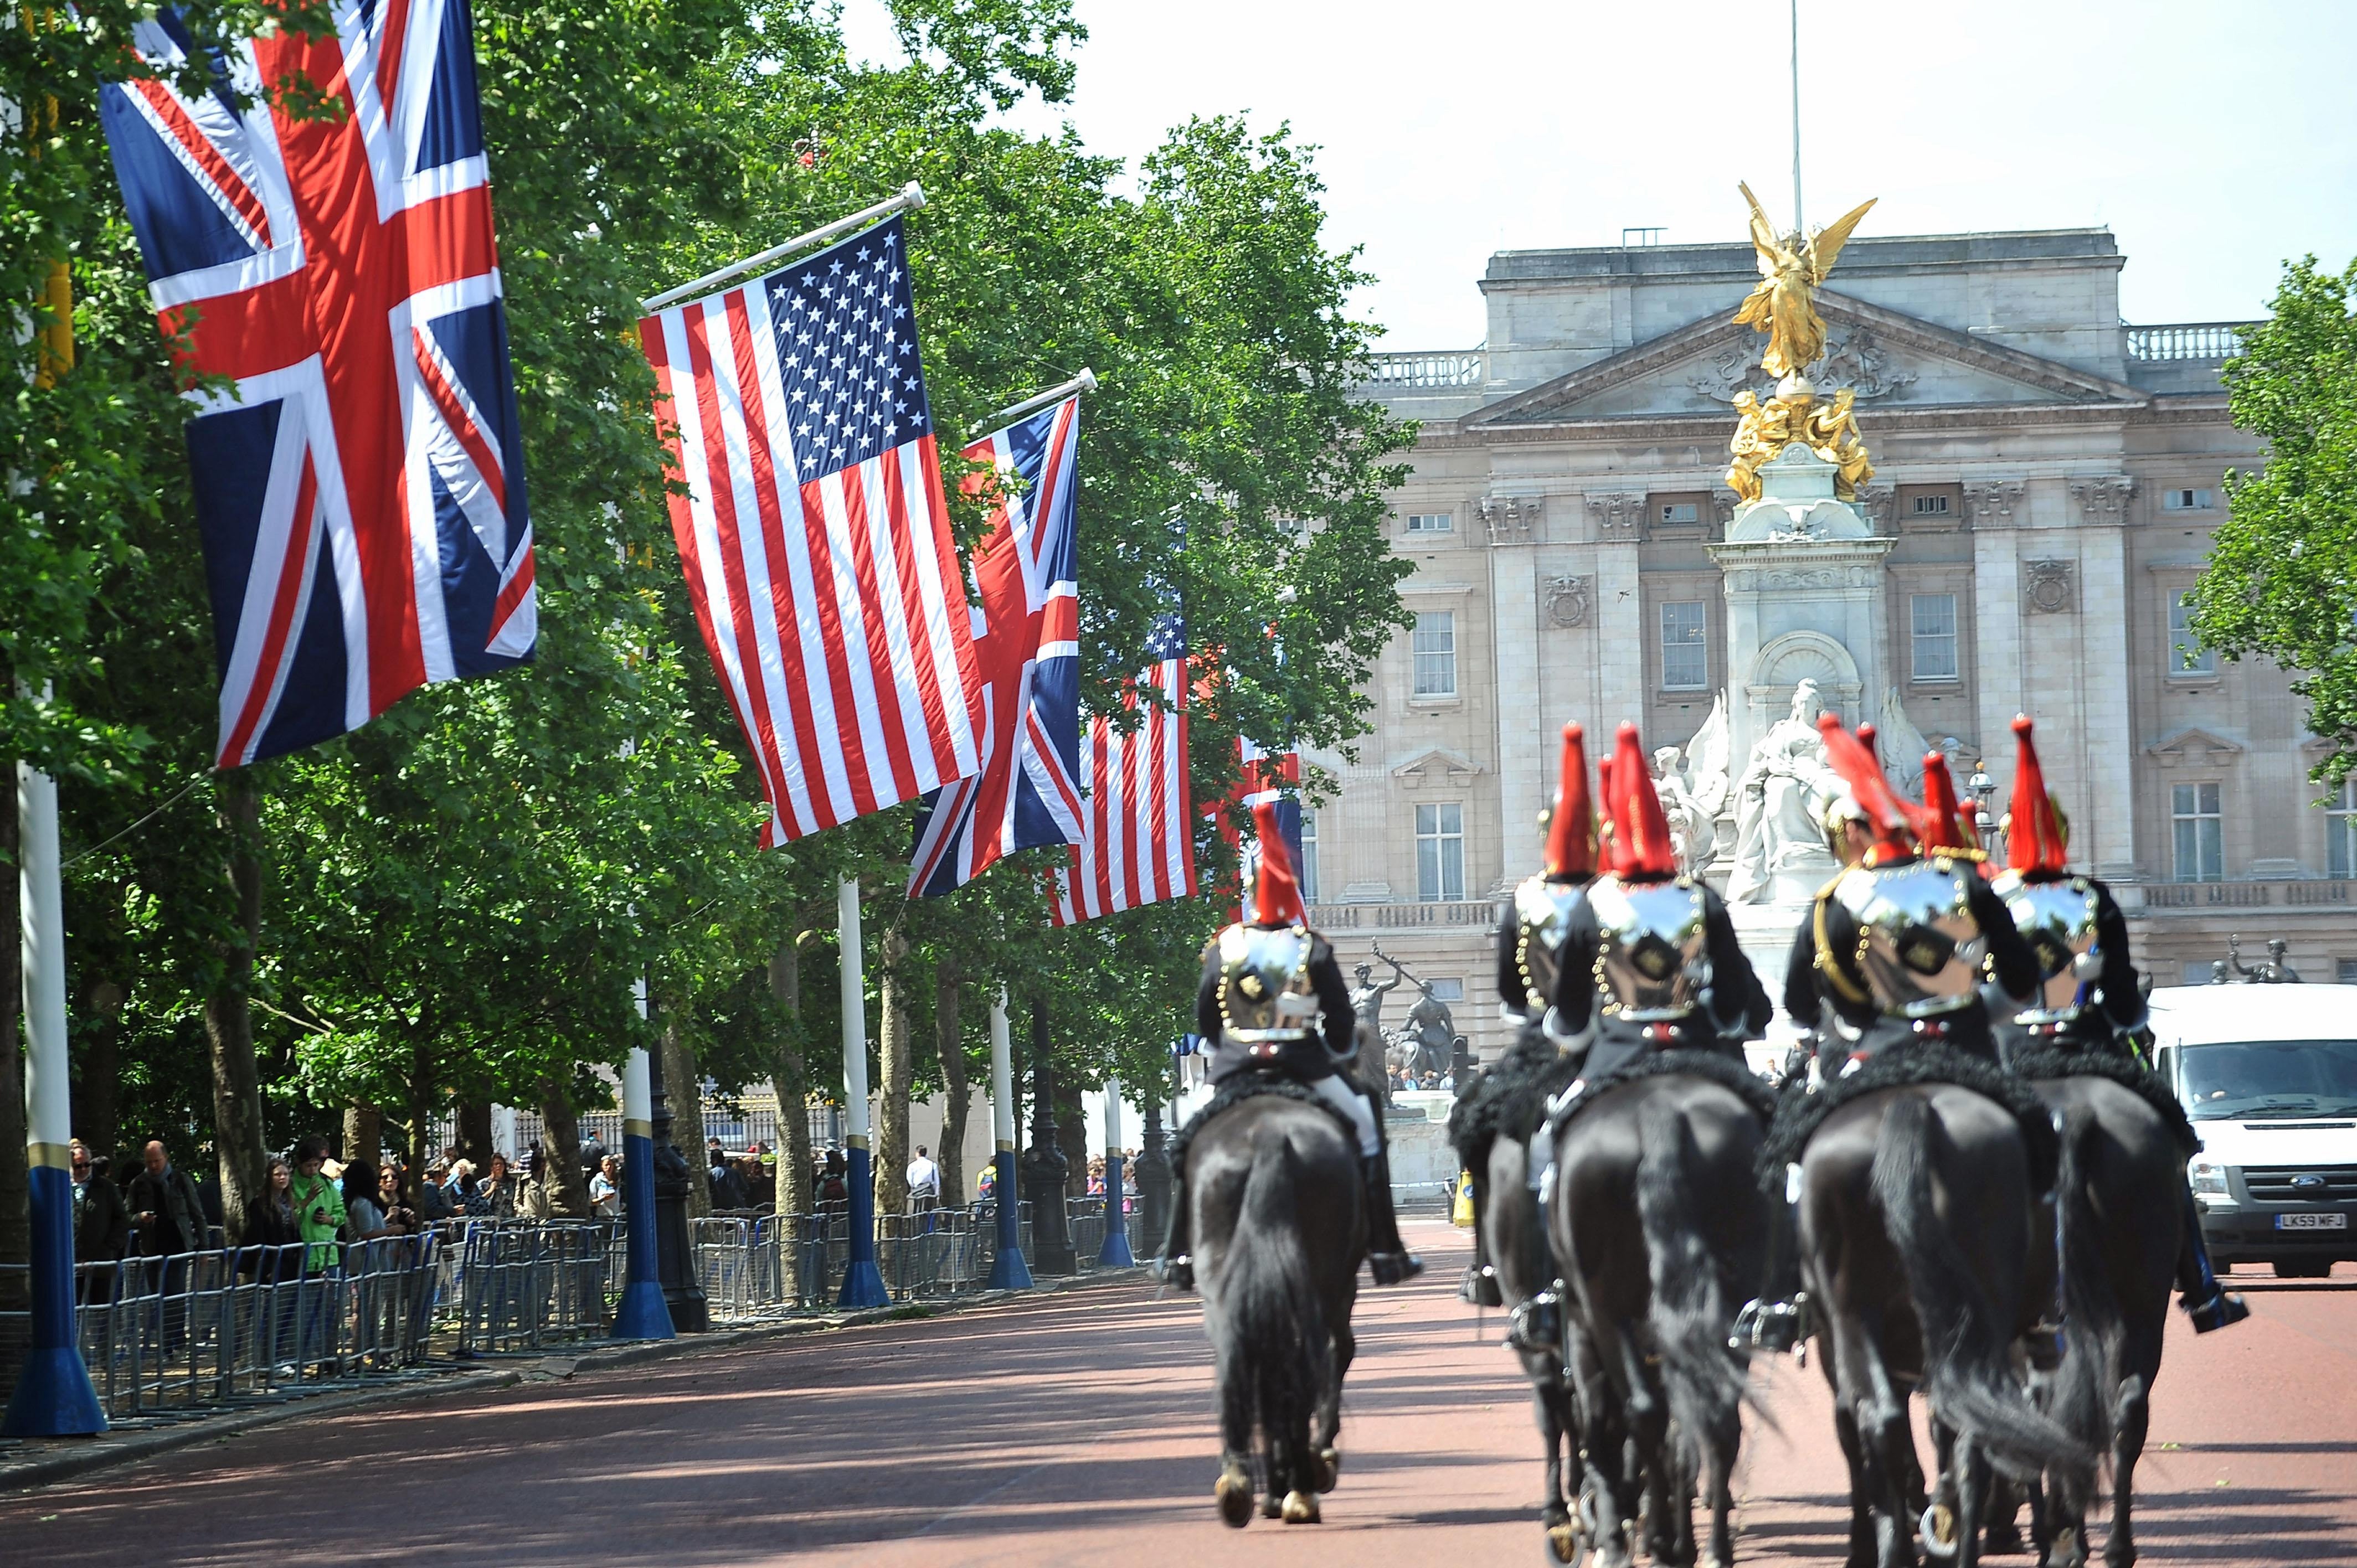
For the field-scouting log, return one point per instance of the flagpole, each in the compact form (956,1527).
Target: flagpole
(1113,1252)
(642,1312)
(1797,227)
(911,197)
(1086,382)
(1008,1271)
(862,1286)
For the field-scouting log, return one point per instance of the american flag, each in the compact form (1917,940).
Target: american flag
(1137,837)
(1027,637)
(814,531)
(360,492)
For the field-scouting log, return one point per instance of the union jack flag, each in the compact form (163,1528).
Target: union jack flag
(814,531)
(360,488)
(1027,637)
(1138,832)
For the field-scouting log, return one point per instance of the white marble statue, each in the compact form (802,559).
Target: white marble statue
(1899,747)
(1693,831)
(1779,846)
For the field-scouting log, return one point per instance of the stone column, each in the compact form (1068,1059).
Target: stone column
(1997,648)
(2107,842)
(1618,610)
(1522,764)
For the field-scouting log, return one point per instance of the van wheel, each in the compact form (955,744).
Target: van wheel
(2303,1268)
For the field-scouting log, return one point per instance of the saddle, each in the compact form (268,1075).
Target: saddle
(1246,1086)
(1799,1113)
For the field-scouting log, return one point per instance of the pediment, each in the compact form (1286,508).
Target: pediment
(1889,359)
(2193,745)
(1434,763)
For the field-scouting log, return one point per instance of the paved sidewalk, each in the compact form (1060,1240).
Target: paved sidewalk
(36,1462)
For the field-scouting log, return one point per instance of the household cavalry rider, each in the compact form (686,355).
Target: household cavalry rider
(1897,946)
(1649,958)
(1273,1000)
(2087,996)
(1530,946)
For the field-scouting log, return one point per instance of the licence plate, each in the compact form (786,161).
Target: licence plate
(2312,1222)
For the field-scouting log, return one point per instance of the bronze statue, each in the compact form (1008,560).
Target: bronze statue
(1782,303)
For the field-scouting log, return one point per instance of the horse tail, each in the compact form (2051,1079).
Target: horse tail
(2088,1385)
(1690,1312)
(1967,1370)
(1276,1322)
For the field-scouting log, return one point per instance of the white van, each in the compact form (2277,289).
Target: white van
(2269,1075)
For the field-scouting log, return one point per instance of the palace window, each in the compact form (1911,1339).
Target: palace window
(1931,626)
(2340,830)
(1447,989)
(1431,522)
(1931,506)
(2188,501)
(1440,854)
(1434,643)
(1308,869)
(1685,646)
(2185,655)
(1681,511)
(2200,830)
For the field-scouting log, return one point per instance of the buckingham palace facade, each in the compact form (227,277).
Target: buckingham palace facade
(2047,479)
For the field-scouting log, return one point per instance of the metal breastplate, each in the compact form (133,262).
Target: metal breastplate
(1542,915)
(1650,963)
(1265,995)
(1919,947)
(2058,919)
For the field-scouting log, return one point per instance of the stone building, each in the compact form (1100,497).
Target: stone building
(2048,480)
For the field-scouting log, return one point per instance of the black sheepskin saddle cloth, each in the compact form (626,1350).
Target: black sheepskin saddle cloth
(1508,1096)
(1801,1113)
(1725,1072)
(2045,1061)
(1246,1086)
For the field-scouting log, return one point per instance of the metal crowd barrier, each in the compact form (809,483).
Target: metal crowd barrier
(250,1323)
(1086,1218)
(753,1266)
(518,1287)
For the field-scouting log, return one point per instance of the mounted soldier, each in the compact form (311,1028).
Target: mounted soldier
(1272,1000)
(2087,999)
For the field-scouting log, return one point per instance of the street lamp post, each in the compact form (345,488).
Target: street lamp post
(1045,1168)
(674,1258)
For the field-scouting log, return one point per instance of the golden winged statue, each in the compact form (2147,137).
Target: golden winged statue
(1782,304)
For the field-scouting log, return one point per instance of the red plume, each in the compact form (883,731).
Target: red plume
(1888,817)
(1571,833)
(1276,896)
(1942,818)
(1641,851)
(2035,841)
(1865,733)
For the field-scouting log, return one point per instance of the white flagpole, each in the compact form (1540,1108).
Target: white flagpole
(863,1285)
(911,197)
(1086,382)
(1008,1269)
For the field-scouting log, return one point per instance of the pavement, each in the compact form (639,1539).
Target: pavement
(1076,1428)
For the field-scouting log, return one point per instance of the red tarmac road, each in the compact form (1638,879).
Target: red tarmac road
(1078,1430)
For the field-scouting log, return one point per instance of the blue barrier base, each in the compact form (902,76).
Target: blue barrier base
(1009,1270)
(1116,1252)
(54,1398)
(642,1313)
(862,1286)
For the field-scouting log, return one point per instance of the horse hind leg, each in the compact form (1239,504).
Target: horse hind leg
(1328,1468)
(1555,1427)
(1233,1491)
(1972,1493)
(1719,1484)
(2130,1419)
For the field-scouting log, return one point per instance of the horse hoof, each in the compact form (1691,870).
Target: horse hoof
(1234,1492)
(2066,1550)
(1937,1532)
(1302,1508)
(1563,1544)
(1329,1468)
(1272,1507)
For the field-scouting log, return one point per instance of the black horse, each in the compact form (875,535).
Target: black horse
(1655,1224)
(1279,1234)
(2122,1226)
(1919,1211)
(1516,1239)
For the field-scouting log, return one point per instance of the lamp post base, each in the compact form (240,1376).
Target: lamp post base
(1008,1269)
(643,1314)
(863,1284)
(54,1397)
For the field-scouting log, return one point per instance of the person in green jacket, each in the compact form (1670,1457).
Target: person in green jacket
(318,1207)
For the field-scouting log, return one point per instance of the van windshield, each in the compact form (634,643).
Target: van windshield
(2262,1079)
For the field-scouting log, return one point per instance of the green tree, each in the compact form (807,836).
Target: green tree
(2282,580)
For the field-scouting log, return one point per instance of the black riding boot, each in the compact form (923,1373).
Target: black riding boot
(1387,1256)
(1774,1319)
(2204,1300)
(1480,1286)
(1178,1268)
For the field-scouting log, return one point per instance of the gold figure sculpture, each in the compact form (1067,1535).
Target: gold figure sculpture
(1782,303)
(1829,429)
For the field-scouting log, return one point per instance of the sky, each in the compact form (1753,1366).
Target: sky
(2214,140)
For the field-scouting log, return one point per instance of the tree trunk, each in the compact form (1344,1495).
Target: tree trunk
(560,1153)
(789,1076)
(471,1131)
(895,1068)
(15,1191)
(950,1044)
(102,1068)
(683,1087)
(1072,1132)
(229,1016)
(364,1134)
